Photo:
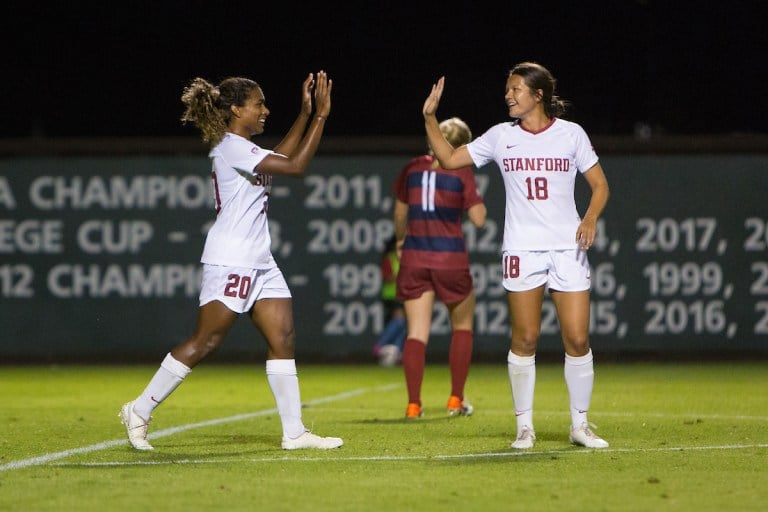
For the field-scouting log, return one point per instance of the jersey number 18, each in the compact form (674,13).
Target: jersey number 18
(537,188)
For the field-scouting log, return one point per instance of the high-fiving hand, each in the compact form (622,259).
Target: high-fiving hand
(433,100)
(323,86)
(306,95)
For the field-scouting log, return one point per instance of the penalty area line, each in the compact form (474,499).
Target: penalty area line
(50,457)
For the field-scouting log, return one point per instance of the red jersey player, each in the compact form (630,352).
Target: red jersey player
(429,208)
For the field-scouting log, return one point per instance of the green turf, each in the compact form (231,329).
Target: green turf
(689,437)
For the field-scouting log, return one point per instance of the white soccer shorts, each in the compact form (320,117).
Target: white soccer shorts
(565,271)
(239,288)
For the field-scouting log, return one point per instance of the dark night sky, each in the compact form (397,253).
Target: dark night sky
(74,69)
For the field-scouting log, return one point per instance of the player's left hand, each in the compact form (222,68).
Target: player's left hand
(585,234)
(323,87)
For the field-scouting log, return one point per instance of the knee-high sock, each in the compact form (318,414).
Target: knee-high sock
(579,377)
(414,359)
(522,379)
(284,382)
(167,378)
(459,359)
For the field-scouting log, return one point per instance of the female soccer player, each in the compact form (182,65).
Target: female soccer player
(545,241)
(429,207)
(239,273)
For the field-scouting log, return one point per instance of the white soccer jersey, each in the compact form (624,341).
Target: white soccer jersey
(539,172)
(240,235)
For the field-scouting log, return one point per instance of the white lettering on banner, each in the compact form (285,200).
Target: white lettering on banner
(31,236)
(114,192)
(6,194)
(104,236)
(93,281)
(16,281)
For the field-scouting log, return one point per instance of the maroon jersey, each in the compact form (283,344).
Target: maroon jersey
(436,201)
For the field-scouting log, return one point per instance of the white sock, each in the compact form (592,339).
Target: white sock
(166,379)
(522,379)
(284,382)
(579,377)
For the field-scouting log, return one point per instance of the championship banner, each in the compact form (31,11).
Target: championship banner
(99,258)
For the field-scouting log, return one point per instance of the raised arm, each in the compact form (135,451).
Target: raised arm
(448,157)
(295,163)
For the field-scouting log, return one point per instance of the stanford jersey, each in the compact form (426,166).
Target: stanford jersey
(436,201)
(240,235)
(539,172)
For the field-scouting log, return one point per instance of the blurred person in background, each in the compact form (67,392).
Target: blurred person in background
(434,264)
(545,241)
(240,274)
(389,346)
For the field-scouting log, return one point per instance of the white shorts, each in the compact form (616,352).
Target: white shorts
(239,288)
(565,271)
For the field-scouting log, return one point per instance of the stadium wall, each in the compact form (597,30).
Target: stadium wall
(100,242)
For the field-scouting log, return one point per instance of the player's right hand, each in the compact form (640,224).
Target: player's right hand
(433,100)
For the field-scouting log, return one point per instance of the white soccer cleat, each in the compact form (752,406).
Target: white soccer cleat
(136,426)
(310,440)
(389,355)
(525,439)
(584,436)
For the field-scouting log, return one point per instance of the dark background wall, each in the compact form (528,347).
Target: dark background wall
(118,68)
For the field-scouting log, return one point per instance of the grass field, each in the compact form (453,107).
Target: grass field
(689,437)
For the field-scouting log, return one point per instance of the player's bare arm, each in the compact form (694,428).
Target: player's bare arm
(585,234)
(400,219)
(477,215)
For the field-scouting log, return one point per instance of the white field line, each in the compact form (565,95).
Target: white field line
(49,457)
(526,453)
(598,414)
